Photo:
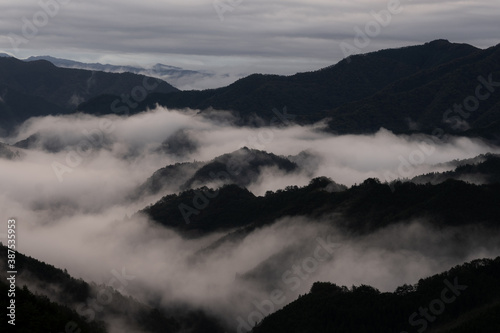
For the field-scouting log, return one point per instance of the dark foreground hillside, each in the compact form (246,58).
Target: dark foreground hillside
(462,300)
(37,314)
(76,301)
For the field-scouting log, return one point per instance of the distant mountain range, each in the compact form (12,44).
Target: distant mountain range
(405,90)
(160,68)
(425,88)
(174,75)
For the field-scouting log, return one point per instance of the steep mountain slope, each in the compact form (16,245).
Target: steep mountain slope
(16,107)
(40,88)
(464,299)
(420,102)
(37,314)
(68,294)
(241,167)
(172,176)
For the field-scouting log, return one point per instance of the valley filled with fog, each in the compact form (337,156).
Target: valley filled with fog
(73,183)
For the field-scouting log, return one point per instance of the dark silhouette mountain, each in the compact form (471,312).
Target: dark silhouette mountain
(16,107)
(37,314)
(420,102)
(365,207)
(39,88)
(192,213)
(464,299)
(171,176)
(311,95)
(404,90)
(241,167)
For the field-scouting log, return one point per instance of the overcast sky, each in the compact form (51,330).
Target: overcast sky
(241,36)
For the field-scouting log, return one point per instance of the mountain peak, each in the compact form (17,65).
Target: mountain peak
(439,42)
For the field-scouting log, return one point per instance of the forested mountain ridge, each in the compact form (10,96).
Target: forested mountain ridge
(365,207)
(464,299)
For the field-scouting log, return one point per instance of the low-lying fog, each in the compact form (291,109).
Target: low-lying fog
(67,192)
